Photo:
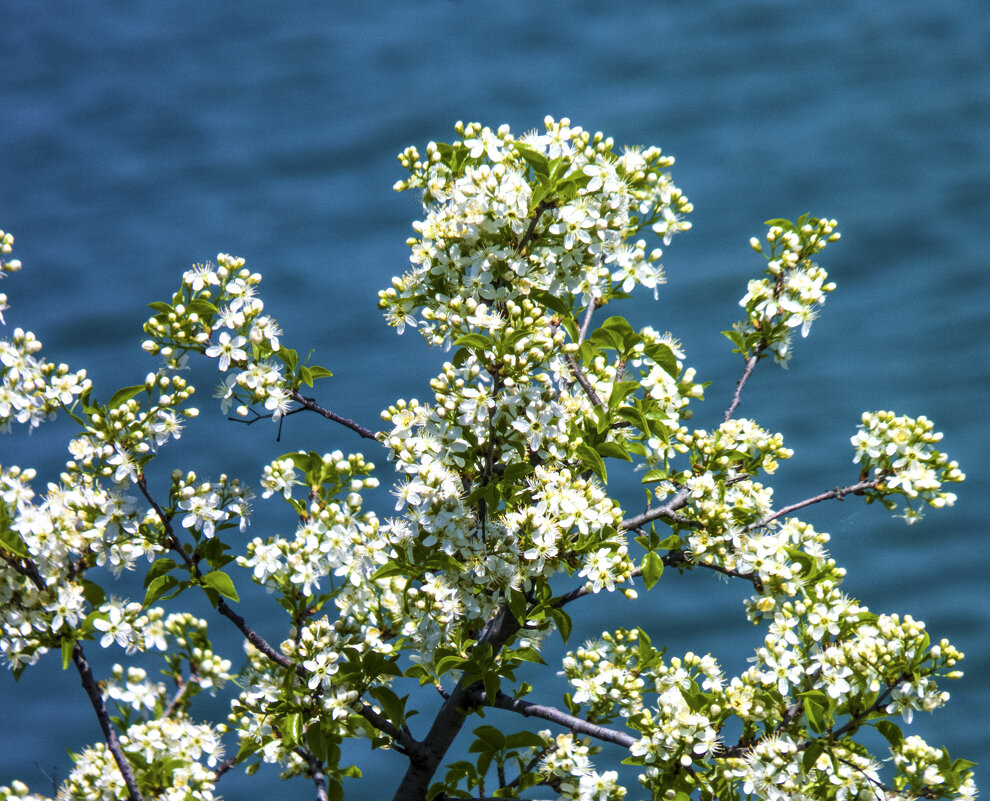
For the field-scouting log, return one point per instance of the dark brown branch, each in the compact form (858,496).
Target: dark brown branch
(184,687)
(531,231)
(30,570)
(449,721)
(750,364)
(837,493)
(109,733)
(224,766)
(258,641)
(315,772)
(554,715)
(313,406)
(583,381)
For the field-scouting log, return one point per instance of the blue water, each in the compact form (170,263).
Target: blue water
(138,138)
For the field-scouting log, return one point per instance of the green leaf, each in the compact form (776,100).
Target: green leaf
(526,655)
(317,372)
(221,582)
(593,461)
(158,588)
(620,391)
(292,728)
(11,541)
(662,354)
(249,746)
(517,605)
(159,568)
(289,358)
(317,743)
(563,621)
(524,739)
(516,471)
(492,682)
(634,415)
(124,395)
(538,161)
(473,341)
(736,339)
(652,568)
(891,732)
(93,593)
(393,706)
(160,307)
(487,736)
(652,476)
(204,308)
(811,754)
(550,301)
(613,450)
(813,712)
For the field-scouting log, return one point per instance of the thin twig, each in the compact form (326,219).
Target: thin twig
(224,766)
(750,364)
(184,686)
(313,406)
(541,207)
(258,641)
(837,493)
(586,323)
(583,381)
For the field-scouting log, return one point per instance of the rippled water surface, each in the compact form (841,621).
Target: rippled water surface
(138,138)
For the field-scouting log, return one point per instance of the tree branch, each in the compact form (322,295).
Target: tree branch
(109,733)
(554,715)
(750,364)
(30,570)
(184,687)
(586,323)
(313,406)
(531,230)
(583,381)
(837,493)
(315,772)
(450,719)
(679,501)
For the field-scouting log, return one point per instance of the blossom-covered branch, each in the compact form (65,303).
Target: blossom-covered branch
(504,483)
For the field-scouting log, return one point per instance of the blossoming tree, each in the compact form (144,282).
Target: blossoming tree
(504,526)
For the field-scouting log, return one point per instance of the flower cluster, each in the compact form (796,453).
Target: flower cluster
(216,312)
(120,439)
(31,389)
(924,771)
(210,506)
(508,217)
(6,266)
(175,760)
(569,769)
(793,291)
(898,450)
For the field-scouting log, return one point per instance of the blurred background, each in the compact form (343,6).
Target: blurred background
(138,138)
